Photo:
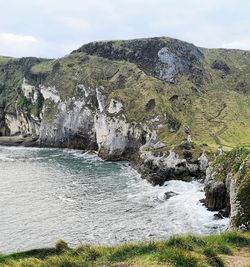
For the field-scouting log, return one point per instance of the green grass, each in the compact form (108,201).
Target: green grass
(189,251)
(4,60)
(44,67)
(216,111)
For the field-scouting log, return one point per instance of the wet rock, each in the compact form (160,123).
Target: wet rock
(203,201)
(158,169)
(227,188)
(215,193)
(28,141)
(168,195)
(218,216)
(221,214)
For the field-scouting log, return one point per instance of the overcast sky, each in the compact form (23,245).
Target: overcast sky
(53,28)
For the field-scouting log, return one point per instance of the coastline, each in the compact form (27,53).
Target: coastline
(19,141)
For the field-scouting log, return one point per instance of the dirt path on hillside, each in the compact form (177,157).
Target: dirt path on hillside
(240,259)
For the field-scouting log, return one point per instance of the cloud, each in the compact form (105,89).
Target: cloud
(10,38)
(242,43)
(51,28)
(77,24)
(17,44)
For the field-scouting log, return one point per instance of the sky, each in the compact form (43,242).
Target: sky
(53,28)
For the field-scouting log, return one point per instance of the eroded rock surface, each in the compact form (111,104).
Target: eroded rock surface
(227,187)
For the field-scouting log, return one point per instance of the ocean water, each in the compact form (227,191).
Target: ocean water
(51,194)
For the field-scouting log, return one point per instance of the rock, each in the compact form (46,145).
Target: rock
(173,123)
(163,58)
(215,193)
(230,196)
(115,106)
(203,163)
(240,203)
(116,138)
(69,124)
(168,195)
(159,145)
(150,105)
(218,216)
(203,201)
(220,65)
(158,169)
(189,139)
(49,93)
(187,130)
(28,141)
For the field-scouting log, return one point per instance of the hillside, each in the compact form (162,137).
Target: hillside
(206,90)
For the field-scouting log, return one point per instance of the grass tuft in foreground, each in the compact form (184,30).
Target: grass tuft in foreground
(188,251)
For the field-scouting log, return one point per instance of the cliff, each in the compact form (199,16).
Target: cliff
(227,187)
(159,102)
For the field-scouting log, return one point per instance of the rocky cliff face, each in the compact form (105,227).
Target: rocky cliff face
(158,102)
(164,58)
(227,187)
(169,166)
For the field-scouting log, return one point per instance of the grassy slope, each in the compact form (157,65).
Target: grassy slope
(189,251)
(4,60)
(217,112)
(225,106)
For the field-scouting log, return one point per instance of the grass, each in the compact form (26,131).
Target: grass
(44,67)
(216,111)
(188,251)
(4,60)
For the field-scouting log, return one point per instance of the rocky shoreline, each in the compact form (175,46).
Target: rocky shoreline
(220,194)
(19,141)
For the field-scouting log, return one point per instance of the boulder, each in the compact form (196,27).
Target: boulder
(215,193)
(168,195)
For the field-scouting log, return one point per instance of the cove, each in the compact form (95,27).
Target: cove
(50,194)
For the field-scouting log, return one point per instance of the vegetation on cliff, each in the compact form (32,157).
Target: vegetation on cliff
(189,251)
(236,165)
(206,90)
